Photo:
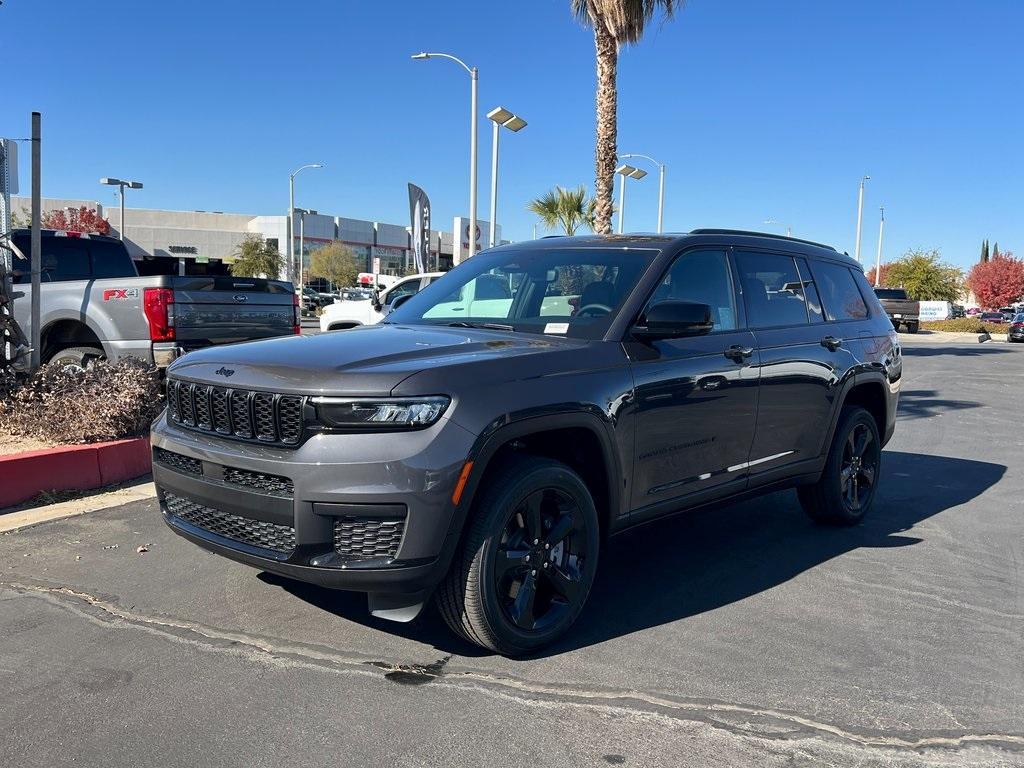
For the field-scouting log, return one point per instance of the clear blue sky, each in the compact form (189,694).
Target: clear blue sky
(760,109)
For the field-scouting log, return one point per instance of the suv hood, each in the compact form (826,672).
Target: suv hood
(371,360)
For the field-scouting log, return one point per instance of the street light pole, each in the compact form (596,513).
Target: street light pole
(624,171)
(860,215)
(291,214)
(661,187)
(878,256)
(474,79)
(121,185)
(500,118)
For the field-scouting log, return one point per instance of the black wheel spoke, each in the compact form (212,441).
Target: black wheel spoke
(566,582)
(867,474)
(565,525)
(522,606)
(532,527)
(507,561)
(863,439)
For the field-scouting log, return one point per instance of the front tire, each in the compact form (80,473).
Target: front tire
(529,559)
(844,493)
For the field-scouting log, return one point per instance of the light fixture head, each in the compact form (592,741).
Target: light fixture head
(112,182)
(515,124)
(500,115)
(638,173)
(625,170)
(133,184)
(421,55)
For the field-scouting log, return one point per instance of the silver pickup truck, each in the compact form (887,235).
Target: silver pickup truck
(95,305)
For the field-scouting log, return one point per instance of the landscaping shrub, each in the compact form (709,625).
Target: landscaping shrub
(63,404)
(964,325)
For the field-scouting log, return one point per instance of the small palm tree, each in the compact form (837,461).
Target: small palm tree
(565,209)
(615,23)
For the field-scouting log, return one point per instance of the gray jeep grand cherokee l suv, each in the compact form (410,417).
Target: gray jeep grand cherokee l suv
(482,442)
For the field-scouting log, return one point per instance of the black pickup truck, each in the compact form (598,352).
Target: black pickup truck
(900,308)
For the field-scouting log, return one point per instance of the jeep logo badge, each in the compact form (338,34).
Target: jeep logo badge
(240,297)
(225,372)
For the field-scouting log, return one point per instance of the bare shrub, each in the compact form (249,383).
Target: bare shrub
(67,404)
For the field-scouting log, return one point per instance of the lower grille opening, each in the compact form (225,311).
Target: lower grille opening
(368,538)
(255,533)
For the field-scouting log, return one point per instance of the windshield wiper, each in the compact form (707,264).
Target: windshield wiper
(488,326)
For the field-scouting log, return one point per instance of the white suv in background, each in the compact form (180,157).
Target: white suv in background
(348,314)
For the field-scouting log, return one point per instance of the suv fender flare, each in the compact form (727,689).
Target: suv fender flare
(507,428)
(78,319)
(855,379)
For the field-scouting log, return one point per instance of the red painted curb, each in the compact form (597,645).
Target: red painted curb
(71,468)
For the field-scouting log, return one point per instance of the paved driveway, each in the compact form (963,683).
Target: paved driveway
(741,636)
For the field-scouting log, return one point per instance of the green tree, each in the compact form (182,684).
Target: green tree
(565,209)
(254,257)
(925,276)
(995,251)
(984,250)
(336,263)
(615,23)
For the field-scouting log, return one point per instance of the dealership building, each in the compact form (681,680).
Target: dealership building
(205,242)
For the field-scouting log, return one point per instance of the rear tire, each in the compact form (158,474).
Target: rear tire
(848,484)
(912,327)
(528,560)
(76,357)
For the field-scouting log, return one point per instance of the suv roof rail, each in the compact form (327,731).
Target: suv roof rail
(713,231)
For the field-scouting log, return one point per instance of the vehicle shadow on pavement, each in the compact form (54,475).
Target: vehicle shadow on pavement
(922,403)
(976,350)
(696,562)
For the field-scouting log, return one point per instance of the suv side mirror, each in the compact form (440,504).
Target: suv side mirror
(400,300)
(675,319)
(375,300)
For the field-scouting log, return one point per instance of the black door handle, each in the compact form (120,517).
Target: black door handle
(738,352)
(832,343)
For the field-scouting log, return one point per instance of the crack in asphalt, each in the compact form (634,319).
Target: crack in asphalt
(730,717)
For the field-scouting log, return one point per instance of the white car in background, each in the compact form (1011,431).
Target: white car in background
(342,315)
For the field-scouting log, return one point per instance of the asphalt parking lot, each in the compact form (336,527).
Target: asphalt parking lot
(743,636)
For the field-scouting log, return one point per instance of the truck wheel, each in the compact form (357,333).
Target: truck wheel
(528,561)
(912,327)
(846,489)
(77,357)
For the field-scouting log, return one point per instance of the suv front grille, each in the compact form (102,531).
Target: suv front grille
(255,533)
(259,416)
(368,538)
(271,485)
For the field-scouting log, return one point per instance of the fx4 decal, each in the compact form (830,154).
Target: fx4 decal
(120,294)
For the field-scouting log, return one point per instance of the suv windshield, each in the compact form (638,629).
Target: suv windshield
(572,291)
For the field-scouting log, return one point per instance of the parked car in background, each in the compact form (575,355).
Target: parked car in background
(901,309)
(481,443)
(313,300)
(1008,313)
(992,317)
(956,311)
(973,311)
(94,305)
(343,315)
(1015,332)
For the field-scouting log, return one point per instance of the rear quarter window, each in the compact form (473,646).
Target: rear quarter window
(840,297)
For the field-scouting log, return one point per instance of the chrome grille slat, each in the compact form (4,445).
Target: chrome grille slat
(265,417)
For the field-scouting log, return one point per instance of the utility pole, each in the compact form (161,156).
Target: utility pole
(878,256)
(37,241)
(860,215)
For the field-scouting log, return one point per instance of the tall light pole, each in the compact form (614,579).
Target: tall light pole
(878,256)
(624,171)
(500,118)
(661,186)
(860,215)
(291,214)
(774,223)
(122,185)
(302,242)
(472,141)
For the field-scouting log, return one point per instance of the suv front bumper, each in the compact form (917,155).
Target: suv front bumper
(369,513)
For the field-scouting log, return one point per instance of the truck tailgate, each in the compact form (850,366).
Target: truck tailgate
(220,310)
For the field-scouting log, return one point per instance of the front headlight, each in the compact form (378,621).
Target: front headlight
(379,413)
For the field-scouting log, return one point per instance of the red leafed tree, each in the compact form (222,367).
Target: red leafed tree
(885,275)
(998,281)
(76,220)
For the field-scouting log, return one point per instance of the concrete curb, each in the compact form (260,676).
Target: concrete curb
(72,468)
(12,521)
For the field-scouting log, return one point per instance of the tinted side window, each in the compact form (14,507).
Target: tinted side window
(839,292)
(772,290)
(403,289)
(67,261)
(810,292)
(110,260)
(701,277)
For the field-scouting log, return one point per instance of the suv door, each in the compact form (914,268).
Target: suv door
(695,397)
(803,361)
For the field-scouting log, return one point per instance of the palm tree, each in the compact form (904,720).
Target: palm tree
(567,209)
(615,23)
